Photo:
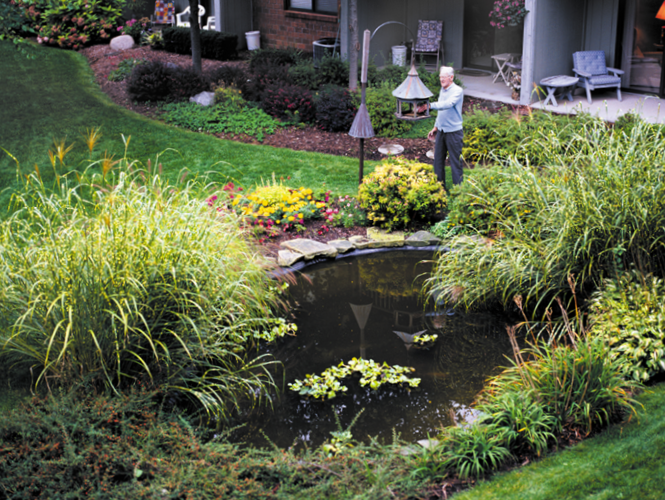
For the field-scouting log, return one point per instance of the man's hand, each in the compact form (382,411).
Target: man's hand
(432,134)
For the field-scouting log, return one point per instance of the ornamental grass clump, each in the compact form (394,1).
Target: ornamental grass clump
(399,193)
(131,279)
(593,211)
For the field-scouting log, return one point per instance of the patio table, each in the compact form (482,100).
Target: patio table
(501,60)
(564,82)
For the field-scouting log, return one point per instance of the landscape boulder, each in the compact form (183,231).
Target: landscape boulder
(122,42)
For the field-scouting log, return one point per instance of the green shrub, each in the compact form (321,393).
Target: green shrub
(273,57)
(214,44)
(154,81)
(399,192)
(335,109)
(184,83)
(141,282)
(304,75)
(230,98)
(629,314)
(391,74)
(136,28)
(124,69)
(382,105)
(227,76)
(333,71)
(73,24)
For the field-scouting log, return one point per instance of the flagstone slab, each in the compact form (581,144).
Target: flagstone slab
(287,258)
(310,249)
(422,239)
(360,242)
(342,246)
(380,238)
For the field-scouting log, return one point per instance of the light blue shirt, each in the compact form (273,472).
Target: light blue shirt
(449,107)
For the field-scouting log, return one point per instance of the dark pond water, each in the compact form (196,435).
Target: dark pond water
(368,306)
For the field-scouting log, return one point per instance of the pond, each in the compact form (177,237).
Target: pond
(368,306)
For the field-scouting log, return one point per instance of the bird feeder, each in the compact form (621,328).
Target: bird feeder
(412,98)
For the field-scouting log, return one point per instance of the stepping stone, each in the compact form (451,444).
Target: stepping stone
(286,258)
(310,249)
(422,239)
(380,238)
(342,246)
(122,42)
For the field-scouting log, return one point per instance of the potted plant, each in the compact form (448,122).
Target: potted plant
(507,13)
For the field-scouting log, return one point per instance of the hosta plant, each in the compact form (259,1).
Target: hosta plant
(400,192)
(629,314)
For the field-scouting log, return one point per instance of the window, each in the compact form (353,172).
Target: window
(320,6)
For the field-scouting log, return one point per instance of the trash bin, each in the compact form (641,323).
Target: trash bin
(253,40)
(399,55)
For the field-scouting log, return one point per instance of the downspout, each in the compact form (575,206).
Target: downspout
(528,52)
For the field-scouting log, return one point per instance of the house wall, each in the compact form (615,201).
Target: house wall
(235,18)
(600,30)
(373,13)
(559,31)
(281,28)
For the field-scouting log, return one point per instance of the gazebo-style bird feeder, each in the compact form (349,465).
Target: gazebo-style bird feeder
(412,98)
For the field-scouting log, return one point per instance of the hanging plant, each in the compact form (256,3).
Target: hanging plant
(507,13)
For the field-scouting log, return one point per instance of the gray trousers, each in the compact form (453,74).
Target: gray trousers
(446,143)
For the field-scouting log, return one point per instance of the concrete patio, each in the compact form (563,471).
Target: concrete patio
(605,103)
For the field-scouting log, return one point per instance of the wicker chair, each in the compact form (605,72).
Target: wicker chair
(590,68)
(429,41)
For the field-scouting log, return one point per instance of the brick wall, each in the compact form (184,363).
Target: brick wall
(281,28)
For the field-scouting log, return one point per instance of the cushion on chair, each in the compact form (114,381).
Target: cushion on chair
(429,36)
(592,61)
(604,80)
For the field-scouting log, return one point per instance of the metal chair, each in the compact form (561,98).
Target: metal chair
(185,24)
(593,73)
(210,24)
(429,40)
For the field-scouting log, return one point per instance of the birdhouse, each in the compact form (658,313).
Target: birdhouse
(412,97)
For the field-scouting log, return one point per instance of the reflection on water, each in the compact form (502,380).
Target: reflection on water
(369,306)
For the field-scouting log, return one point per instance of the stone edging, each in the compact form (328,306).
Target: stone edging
(299,253)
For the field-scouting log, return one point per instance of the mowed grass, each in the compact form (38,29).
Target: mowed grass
(54,96)
(626,461)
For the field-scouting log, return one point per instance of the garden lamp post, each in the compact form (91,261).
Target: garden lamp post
(362,125)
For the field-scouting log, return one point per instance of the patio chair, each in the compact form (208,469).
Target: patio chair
(210,24)
(429,40)
(590,68)
(185,24)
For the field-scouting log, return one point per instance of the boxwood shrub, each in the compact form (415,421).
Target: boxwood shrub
(214,44)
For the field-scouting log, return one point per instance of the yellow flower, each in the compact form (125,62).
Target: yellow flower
(291,218)
(300,216)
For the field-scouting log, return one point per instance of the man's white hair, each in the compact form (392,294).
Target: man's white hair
(446,71)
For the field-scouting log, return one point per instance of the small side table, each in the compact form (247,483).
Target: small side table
(501,60)
(565,83)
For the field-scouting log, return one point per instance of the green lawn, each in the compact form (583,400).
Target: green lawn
(54,96)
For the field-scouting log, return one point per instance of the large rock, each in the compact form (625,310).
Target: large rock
(287,258)
(310,249)
(422,239)
(204,98)
(342,246)
(122,42)
(381,238)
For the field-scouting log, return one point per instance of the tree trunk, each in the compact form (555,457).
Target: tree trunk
(355,44)
(195,32)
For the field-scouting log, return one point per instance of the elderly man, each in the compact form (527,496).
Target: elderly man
(448,126)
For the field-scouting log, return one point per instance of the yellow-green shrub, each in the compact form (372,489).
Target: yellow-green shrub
(400,192)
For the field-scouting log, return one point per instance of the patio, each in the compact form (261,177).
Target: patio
(605,103)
